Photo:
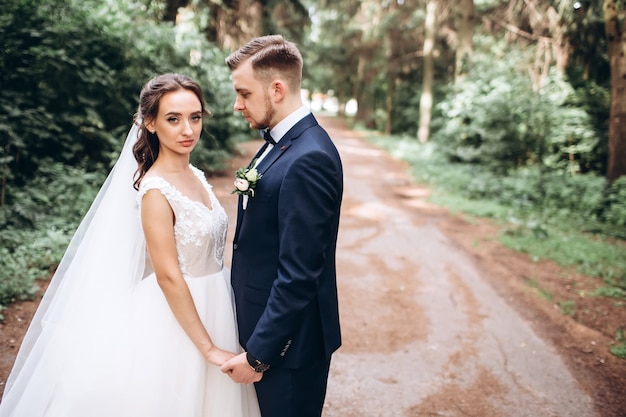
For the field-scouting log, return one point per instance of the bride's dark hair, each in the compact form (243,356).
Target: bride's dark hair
(146,149)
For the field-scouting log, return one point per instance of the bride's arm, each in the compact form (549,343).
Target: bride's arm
(158,224)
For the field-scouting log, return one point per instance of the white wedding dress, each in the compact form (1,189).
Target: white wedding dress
(145,365)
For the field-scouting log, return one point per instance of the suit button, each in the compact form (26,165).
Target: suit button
(235,246)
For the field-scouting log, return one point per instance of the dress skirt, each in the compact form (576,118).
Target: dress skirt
(153,369)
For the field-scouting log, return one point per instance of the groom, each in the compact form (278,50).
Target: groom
(283,266)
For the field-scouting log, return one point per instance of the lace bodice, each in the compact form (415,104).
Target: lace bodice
(200,232)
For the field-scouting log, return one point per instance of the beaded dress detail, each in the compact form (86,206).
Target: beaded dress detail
(200,232)
(117,350)
(173,376)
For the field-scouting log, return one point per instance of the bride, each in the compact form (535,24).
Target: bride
(139,315)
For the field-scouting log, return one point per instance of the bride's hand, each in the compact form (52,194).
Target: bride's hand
(217,356)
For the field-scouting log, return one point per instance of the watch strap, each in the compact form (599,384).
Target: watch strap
(256,364)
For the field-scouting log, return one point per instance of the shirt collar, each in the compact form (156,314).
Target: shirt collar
(288,122)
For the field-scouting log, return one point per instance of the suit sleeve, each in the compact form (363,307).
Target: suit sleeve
(308,203)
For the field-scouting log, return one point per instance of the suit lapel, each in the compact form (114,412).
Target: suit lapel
(281,147)
(285,142)
(259,153)
(240,210)
(274,154)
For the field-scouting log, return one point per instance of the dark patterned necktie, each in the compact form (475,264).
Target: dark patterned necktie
(268,138)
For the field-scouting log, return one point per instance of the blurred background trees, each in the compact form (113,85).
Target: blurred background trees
(530,92)
(540,53)
(72,69)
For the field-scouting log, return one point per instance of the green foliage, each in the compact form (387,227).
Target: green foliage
(543,294)
(496,120)
(581,202)
(615,211)
(568,307)
(619,350)
(57,197)
(572,220)
(61,86)
(591,255)
(34,258)
(71,72)
(36,228)
(17,281)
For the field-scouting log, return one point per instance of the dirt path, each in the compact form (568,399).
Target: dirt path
(421,324)
(436,318)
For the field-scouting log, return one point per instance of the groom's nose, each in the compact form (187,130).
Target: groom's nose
(238,106)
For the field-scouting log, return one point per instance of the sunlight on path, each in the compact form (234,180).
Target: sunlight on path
(424,334)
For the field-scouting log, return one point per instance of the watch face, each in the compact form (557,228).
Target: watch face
(261,367)
(256,364)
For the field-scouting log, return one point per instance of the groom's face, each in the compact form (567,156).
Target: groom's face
(253,100)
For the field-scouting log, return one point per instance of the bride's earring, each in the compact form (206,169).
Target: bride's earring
(150,128)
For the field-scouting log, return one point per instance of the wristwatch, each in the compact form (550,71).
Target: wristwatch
(256,364)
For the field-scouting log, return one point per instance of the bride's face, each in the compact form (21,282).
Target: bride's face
(178,123)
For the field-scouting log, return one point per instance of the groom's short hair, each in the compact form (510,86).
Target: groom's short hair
(270,56)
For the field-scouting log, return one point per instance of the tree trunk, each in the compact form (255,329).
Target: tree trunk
(235,22)
(465,34)
(393,39)
(615,27)
(391,91)
(171,9)
(364,95)
(426,100)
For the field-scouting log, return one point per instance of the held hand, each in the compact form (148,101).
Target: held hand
(217,356)
(240,370)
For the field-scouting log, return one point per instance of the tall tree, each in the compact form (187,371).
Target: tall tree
(171,9)
(370,59)
(615,26)
(465,34)
(233,22)
(400,30)
(426,100)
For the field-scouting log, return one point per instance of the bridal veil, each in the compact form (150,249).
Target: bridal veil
(82,317)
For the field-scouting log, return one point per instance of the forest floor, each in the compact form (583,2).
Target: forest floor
(376,328)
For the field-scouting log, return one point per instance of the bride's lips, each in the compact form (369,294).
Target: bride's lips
(186,143)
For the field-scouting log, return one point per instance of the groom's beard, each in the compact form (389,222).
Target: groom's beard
(267,118)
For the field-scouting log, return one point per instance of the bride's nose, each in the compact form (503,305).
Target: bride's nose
(187,129)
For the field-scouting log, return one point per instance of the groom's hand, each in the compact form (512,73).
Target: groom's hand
(240,370)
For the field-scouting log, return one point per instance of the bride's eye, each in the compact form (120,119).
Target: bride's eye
(172,119)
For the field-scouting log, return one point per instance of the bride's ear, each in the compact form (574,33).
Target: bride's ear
(150,126)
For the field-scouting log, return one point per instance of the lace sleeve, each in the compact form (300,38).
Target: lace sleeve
(152,183)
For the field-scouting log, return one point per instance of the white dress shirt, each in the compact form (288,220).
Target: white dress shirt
(277,134)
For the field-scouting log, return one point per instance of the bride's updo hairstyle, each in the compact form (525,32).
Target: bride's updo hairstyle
(146,149)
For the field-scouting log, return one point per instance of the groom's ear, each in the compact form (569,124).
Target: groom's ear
(278,89)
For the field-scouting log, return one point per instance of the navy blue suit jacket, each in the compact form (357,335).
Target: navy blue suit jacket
(283,269)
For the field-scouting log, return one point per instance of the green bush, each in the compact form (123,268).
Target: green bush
(615,213)
(17,280)
(71,72)
(495,119)
(569,219)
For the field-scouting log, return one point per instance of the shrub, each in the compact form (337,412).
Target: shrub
(496,120)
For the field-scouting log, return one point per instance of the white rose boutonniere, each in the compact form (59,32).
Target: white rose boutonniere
(245,180)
